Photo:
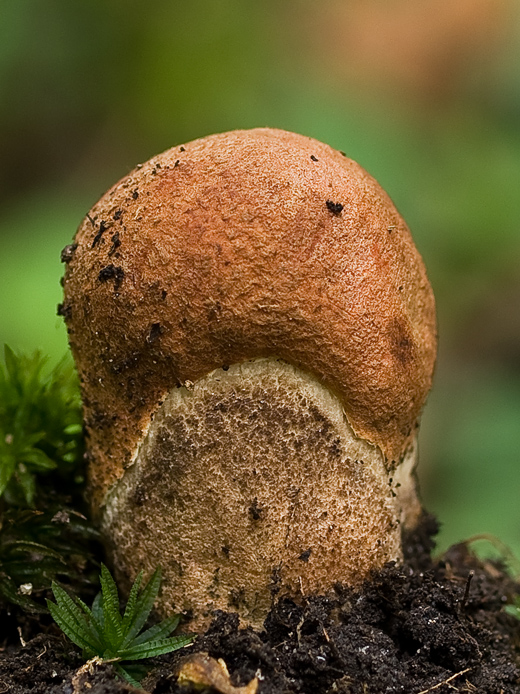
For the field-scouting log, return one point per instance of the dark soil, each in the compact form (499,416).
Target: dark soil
(417,628)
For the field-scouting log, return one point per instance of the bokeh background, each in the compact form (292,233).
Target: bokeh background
(425,94)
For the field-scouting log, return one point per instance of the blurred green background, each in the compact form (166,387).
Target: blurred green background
(425,95)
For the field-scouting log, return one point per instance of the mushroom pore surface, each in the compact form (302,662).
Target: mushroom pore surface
(255,337)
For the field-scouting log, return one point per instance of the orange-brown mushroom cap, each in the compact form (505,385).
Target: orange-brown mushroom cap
(240,245)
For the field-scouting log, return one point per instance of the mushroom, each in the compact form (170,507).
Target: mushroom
(255,337)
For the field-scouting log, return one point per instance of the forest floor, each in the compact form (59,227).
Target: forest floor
(424,626)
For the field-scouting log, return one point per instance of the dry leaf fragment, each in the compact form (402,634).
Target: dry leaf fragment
(203,671)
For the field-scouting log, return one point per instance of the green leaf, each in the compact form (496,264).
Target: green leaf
(513,610)
(129,677)
(151,649)
(67,604)
(7,467)
(144,606)
(38,459)
(86,609)
(97,611)
(159,631)
(68,623)
(130,611)
(10,362)
(112,628)
(34,547)
(94,627)
(69,627)
(73,429)
(71,620)
(26,482)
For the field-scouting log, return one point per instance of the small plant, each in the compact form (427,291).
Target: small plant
(102,632)
(40,424)
(43,533)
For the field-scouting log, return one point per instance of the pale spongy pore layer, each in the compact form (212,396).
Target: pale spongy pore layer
(251,484)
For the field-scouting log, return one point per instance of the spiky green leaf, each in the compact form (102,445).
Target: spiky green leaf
(144,606)
(113,632)
(75,629)
(71,619)
(151,649)
(158,631)
(131,610)
(131,675)
(97,611)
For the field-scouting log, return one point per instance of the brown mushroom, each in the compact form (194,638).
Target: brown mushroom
(255,336)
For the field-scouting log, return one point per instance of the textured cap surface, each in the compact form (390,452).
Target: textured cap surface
(240,245)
